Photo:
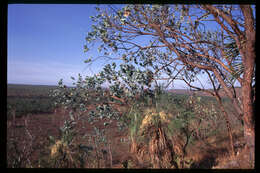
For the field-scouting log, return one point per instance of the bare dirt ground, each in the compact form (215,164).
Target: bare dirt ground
(41,126)
(205,154)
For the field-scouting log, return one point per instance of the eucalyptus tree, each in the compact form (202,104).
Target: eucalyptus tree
(168,42)
(184,42)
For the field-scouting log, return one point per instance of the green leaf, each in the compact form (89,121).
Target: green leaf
(52,140)
(106,123)
(71,116)
(114,65)
(86,48)
(87,61)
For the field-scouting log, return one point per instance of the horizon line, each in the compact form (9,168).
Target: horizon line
(104,87)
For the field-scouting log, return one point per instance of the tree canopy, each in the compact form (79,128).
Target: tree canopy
(176,42)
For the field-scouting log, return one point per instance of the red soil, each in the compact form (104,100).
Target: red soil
(41,126)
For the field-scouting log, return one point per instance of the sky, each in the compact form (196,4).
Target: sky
(45,42)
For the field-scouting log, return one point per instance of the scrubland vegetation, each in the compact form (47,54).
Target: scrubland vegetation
(169,131)
(25,99)
(135,122)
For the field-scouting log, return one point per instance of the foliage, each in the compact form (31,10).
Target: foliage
(63,149)
(28,90)
(25,99)
(197,119)
(148,63)
(193,118)
(177,42)
(163,102)
(118,29)
(145,121)
(25,105)
(180,46)
(19,151)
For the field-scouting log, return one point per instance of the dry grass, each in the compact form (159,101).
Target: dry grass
(150,114)
(240,161)
(158,150)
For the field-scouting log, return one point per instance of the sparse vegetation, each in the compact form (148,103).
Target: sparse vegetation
(26,99)
(181,121)
(165,130)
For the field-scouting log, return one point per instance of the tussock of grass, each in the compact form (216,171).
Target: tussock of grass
(56,147)
(151,115)
(159,132)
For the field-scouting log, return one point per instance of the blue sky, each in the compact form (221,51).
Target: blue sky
(45,42)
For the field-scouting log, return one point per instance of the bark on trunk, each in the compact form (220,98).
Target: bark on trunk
(249,64)
(249,125)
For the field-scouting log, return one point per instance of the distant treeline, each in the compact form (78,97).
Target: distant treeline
(25,99)
(28,90)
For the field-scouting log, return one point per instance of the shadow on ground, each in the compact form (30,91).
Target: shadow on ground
(209,159)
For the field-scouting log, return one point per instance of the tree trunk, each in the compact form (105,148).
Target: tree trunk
(249,64)
(249,125)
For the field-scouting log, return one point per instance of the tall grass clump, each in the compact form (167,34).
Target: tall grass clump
(163,130)
(151,133)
